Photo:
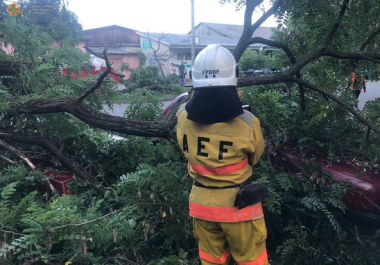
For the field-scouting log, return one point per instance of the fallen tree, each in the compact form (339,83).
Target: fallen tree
(49,119)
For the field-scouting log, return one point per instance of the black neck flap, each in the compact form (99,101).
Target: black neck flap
(213,105)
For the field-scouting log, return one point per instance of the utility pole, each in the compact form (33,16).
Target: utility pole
(192,34)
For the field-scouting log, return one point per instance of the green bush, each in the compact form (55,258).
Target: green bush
(143,216)
(149,78)
(255,60)
(144,106)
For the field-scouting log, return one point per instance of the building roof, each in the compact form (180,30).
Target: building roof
(166,38)
(184,40)
(229,36)
(235,31)
(110,26)
(99,50)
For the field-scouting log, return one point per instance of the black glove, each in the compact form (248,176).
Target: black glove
(250,195)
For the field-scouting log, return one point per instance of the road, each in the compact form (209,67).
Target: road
(373,91)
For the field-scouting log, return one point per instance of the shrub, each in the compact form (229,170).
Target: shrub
(144,106)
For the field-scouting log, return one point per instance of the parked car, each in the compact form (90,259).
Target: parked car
(363,200)
(60,180)
(249,73)
(267,71)
(259,73)
(170,106)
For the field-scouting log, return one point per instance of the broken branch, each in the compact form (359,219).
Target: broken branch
(18,153)
(100,79)
(8,160)
(54,148)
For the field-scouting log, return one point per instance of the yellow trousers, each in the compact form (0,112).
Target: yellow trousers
(218,242)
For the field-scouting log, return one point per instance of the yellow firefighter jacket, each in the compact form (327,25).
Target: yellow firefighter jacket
(220,155)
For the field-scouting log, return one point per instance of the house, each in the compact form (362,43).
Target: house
(174,48)
(123,45)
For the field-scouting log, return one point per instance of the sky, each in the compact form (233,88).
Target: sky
(159,16)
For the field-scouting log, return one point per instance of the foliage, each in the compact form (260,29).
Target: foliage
(144,76)
(304,26)
(29,43)
(149,78)
(256,60)
(144,106)
(58,21)
(142,58)
(307,218)
(3,56)
(372,110)
(310,220)
(142,217)
(272,105)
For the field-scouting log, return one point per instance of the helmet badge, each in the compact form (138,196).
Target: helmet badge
(206,73)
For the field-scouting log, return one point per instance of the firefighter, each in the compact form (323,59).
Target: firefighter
(222,142)
(357,84)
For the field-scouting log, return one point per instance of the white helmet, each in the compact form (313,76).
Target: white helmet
(214,66)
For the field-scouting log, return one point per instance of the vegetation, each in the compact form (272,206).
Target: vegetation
(258,60)
(308,223)
(53,18)
(151,78)
(129,200)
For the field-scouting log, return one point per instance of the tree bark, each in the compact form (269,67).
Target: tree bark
(100,120)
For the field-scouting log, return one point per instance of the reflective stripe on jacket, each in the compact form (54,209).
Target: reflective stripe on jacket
(218,205)
(220,155)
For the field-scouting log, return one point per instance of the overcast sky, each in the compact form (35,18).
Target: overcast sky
(168,16)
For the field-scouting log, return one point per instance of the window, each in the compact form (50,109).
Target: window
(183,56)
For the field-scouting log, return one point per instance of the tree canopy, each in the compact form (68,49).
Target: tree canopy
(52,16)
